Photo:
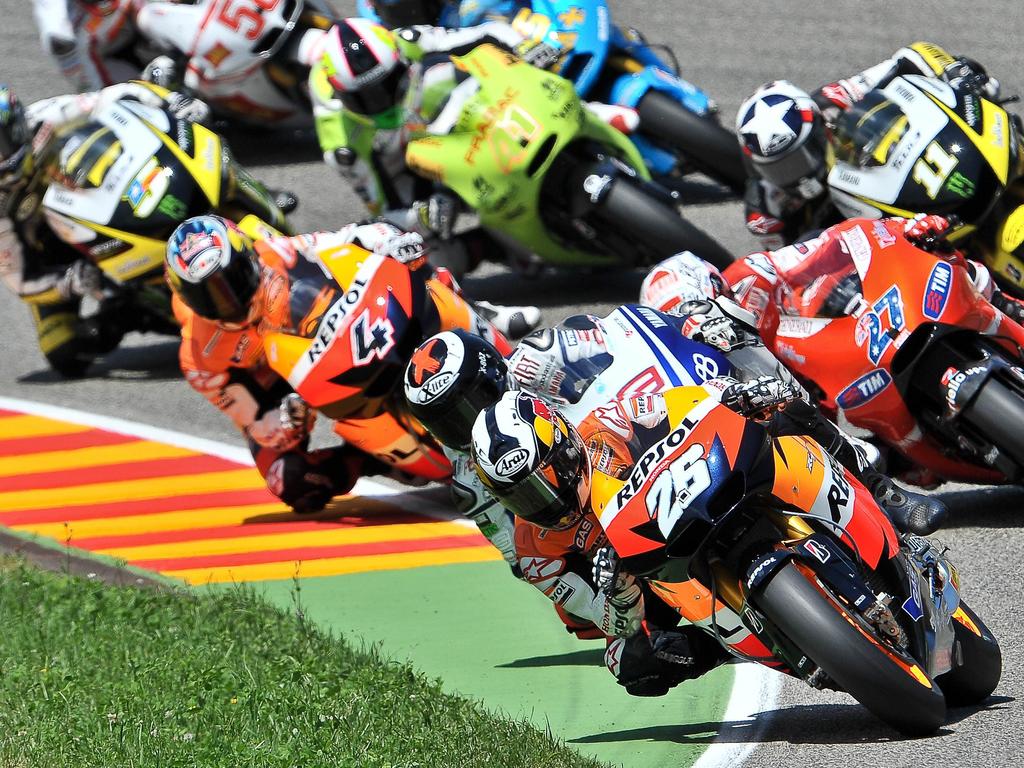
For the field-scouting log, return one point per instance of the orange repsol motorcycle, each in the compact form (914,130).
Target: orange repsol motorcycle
(345,338)
(773,548)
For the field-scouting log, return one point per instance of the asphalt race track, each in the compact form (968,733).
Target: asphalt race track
(728,48)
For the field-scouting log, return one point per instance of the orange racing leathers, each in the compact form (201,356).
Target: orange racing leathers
(229,368)
(646,653)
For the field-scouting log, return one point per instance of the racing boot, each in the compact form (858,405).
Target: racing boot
(513,322)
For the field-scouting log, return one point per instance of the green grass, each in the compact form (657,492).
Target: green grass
(92,675)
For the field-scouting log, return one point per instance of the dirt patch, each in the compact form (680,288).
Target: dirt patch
(70,561)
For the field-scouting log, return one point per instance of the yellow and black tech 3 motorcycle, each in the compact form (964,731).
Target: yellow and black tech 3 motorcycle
(115,186)
(919,145)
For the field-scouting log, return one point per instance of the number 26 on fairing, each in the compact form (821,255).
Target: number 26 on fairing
(677,486)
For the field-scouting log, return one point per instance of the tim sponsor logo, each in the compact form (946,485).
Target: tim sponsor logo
(936,293)
(864,389)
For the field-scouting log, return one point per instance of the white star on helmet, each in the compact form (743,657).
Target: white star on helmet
(769,125)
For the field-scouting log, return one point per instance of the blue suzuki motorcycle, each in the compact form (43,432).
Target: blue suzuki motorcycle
(679,130)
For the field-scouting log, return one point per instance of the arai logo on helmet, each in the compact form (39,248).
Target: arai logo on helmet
(512,462)
(937,291)
(199,254)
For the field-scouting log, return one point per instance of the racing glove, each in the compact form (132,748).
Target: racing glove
(187,108)
(968,75)
(760,397)
(83,278)
(285,427)
(437,214)
(706,323)
(620,599)
(924,228)
(538,54)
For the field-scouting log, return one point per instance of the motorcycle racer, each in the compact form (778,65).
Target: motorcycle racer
(372,90)
(47,273)
(790,137)
(92,41)
(230,290)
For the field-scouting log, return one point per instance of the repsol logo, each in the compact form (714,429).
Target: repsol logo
(332,321)
(651,458)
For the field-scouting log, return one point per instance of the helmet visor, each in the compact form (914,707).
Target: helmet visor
(786,171)
(378,97)
(227,294)
(556,493)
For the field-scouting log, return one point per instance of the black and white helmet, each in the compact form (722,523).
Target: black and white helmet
(451,377)
(781,130)
(533,461)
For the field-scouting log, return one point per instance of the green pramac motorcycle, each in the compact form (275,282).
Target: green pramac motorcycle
(521,149)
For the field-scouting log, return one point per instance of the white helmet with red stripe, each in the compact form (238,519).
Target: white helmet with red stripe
(362,64)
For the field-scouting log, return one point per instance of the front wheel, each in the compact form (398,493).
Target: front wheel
(653,229)
(707,146)
(890,684)
(997,412)
(980,662)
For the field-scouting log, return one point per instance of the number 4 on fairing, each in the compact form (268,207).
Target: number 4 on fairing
(370,342)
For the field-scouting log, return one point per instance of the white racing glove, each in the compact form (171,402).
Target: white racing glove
(706,323)
(758,398)
(619,599)
(187,108)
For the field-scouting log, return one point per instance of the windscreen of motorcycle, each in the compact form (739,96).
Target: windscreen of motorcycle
(350,334)
(917,145)
(646,353)
(122,181)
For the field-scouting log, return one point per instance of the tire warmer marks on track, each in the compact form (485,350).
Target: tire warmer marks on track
(199,517)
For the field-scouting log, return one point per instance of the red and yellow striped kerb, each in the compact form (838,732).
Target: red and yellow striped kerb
(197,517)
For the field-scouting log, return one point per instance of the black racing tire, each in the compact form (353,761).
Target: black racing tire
(655,227)
(707,145)
(981,664)
(836,641)
(997,412)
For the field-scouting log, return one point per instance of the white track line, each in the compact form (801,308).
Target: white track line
(755,688)
(755,692)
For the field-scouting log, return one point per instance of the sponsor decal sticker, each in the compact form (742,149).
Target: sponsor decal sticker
(864,389)
(937,290)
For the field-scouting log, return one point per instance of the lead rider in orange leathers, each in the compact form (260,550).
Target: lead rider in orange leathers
(227,287)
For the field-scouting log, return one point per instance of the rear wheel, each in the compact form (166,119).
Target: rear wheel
(652,227)
(891,685)
(707,146)
(997,412)
(980,661)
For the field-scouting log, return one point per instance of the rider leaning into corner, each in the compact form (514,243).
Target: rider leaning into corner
(807,279)
(91,41)
(228,290)
(451,379)
(787,137)
(48,274)
(372,90)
